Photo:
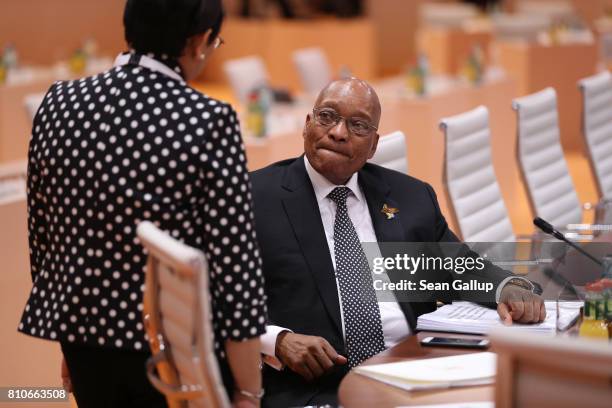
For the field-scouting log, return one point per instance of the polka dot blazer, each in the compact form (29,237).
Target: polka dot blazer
(135,143)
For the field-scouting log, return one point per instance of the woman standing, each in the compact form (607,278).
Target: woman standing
(130,144)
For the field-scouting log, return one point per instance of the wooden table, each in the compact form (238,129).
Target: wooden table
(448,50)
(274,40)
(359,391)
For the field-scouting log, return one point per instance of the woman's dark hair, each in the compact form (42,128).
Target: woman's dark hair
(163,26)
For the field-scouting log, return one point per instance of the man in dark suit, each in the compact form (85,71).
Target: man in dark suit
(311,213)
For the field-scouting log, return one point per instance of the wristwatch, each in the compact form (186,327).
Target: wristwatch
(523,283)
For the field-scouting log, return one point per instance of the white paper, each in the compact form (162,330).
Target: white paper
(466,317)
(456,405)
(433,373)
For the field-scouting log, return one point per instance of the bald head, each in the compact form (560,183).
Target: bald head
(357,91)
(340,134)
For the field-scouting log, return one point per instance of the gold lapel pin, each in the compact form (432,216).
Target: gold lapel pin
(389,211)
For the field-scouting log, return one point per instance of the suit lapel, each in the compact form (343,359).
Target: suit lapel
(303,212)
(377,192)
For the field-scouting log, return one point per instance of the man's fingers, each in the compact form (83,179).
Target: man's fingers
(309,356)
(314,366)
(323,358)
(523,305)
(542,311)
(517,309)
(302,369)
(341,360)
(535,311)
(504,313)
(333,354)
(527,311)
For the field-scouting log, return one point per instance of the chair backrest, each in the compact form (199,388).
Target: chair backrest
(597,127)
(14,230)
(549,185)
(32,103)
(245,75)
(391,152)
(550,372)
(178,322)
(470,180)
(13,177)
(313,68)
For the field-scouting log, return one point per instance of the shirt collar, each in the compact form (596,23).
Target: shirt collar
(160,63)
(322,186)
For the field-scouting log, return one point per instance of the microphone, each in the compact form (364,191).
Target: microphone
(550,230)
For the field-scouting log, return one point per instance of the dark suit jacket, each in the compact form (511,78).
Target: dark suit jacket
(298,269)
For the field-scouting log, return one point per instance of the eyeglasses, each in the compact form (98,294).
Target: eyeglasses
(328,117)
(219,41)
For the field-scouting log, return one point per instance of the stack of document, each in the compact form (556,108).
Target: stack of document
(466,317)
(435,373)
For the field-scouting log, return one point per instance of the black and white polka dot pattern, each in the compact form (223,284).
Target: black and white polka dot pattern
(363,325)
(109,151)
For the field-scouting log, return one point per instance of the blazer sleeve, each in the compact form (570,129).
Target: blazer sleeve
(236,279)
(37,228)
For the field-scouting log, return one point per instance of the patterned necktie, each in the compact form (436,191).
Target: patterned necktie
(363,326)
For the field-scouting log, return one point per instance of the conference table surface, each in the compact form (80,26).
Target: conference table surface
(359,391)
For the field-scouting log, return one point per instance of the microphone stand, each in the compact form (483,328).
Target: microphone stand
(550,230)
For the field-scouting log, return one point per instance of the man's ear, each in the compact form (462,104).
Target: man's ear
(374,146)
(306,124)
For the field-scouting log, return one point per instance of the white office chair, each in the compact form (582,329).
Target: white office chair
(391,152)
(177,321)
(470,180)
(313,67)
(597,127)
(597,131)
(549,185)
(32,103)
(245,75)
(13,176)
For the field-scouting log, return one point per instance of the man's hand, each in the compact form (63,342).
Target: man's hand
(309,356)
(520,305)
(66,382)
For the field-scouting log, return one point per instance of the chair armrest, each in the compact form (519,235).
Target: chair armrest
(179,392)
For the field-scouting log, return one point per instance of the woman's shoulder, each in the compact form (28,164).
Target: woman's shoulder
(211,105)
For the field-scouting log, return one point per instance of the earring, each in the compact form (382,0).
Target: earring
(202,57)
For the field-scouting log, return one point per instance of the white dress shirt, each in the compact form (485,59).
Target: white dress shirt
(394,324)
